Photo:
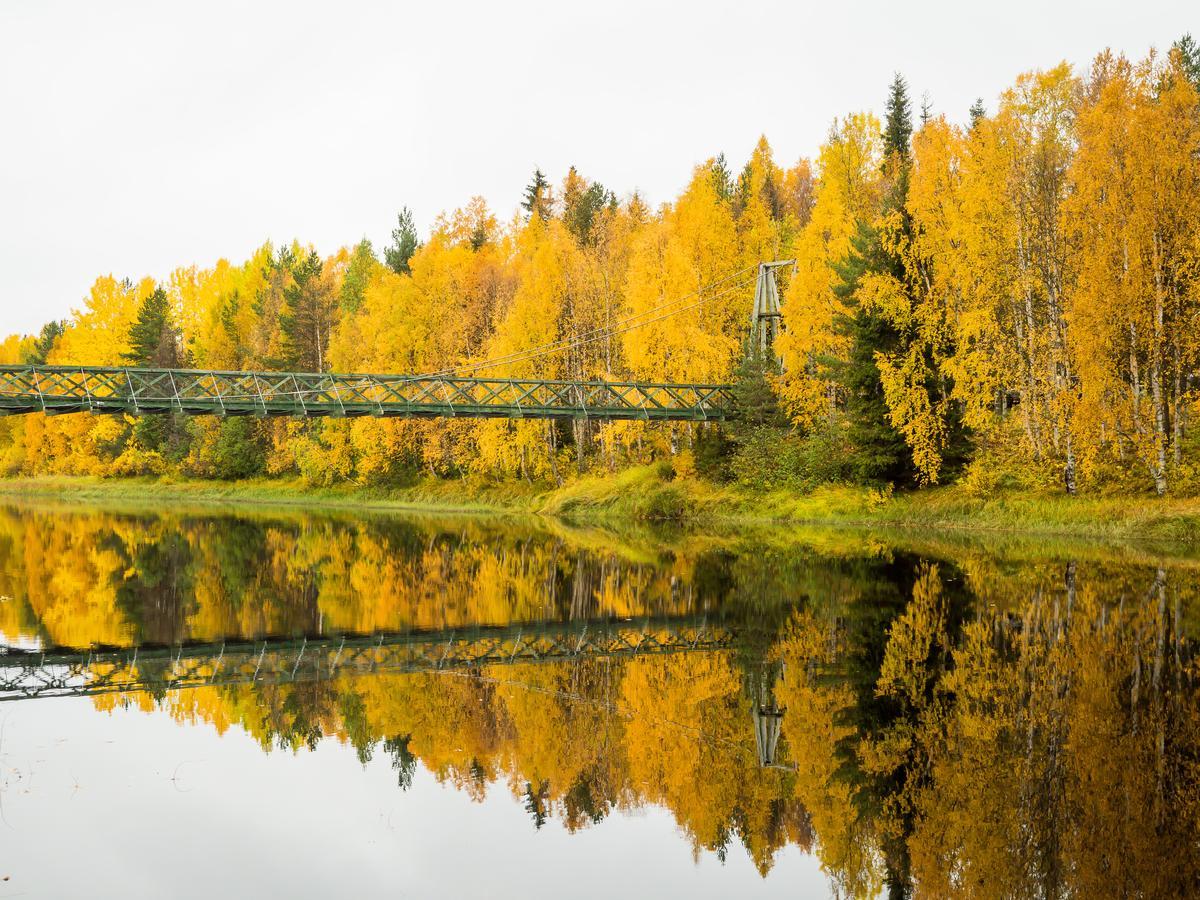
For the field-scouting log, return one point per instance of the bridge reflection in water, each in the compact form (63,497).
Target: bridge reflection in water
(58,672)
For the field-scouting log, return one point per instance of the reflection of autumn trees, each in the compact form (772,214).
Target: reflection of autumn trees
(955,726)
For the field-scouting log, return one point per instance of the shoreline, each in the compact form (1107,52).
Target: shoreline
(642,495)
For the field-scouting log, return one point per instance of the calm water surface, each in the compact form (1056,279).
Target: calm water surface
(203,703)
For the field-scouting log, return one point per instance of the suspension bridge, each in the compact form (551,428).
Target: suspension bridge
(137,391)
(27,674)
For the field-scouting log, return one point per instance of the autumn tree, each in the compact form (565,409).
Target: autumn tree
(1135,208)
(359,271)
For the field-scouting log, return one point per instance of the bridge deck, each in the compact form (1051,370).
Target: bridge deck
(58,672)
(138,391)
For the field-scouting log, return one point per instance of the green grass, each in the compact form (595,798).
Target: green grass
(646,494)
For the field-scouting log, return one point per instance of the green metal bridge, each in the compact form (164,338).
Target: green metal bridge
(54,390)
(137,391)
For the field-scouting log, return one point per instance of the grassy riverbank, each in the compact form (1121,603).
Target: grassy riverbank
(643,494)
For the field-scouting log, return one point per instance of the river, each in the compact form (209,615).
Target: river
(208,701)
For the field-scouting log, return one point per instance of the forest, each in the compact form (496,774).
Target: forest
(1006,302)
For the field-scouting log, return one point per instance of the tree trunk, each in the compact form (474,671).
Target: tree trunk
(1156,381)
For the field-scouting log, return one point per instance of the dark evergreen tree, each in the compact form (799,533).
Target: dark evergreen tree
(404,761)
(1189,52)
(978,112)
(580,210)
(537,803)
(404,243)
(898,127)
(154,342)
(880,453)
(754,397)
(538,198)
(37,354)
(310,313)
(744,190)
(722,178)
(153,338)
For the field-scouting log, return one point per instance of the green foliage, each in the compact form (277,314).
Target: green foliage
(239,450)
(538,199)
(153,337)
(667,503)
(404,243)
(39,352)
(898,129)
(310,314)
(154,341)
(1189,53)
(712,450)
(581,208)
(754,397)
(880,453)
(768,459)
(764,459)
(363,264)
(722,178)
(977,112)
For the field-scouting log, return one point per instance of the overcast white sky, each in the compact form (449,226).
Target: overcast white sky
(139,136)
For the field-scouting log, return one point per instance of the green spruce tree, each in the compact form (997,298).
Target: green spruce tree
(538,199)
(309,316)
(581,208)
(880,454)
(1189,52)
(154,342)
(39,352)
(153,338)
(722,178)
(977,112)
(404,243)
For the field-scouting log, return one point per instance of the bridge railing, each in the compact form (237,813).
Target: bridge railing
(142,391)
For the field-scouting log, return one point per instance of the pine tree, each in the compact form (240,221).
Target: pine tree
(310,313)
(582,203)
(44,343)
(539,199)
(404,243)
(898,128)
(880,453)
(978,112)
(722,178)
(1189,52)
(154,342)
(153,338)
